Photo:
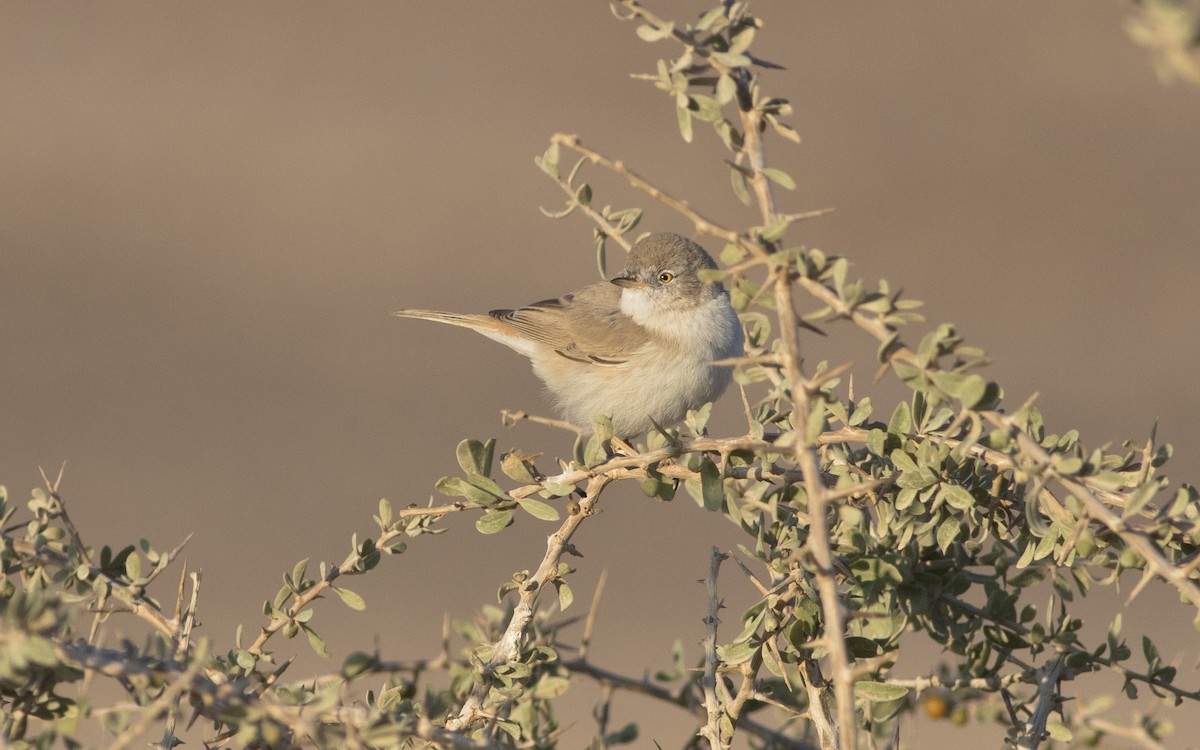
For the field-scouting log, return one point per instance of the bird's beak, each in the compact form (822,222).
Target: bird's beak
(628,282)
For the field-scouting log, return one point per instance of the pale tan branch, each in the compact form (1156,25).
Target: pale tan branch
(1136,734)
(717,740)
(508,418)
(508,647)
(819,712)
(818,505)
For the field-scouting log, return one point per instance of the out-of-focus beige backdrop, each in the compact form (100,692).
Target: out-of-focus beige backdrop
(207,211)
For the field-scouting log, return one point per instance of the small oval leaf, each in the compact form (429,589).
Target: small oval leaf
(878,691)
(538,509)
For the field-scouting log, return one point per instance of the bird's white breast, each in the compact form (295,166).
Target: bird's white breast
(711,329)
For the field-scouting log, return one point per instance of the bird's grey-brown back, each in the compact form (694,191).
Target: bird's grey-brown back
(583,324)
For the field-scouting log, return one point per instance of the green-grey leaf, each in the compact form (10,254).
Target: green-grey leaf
(493,521)
(973,390)
(711,488)
(558,489)
(726,89)
(133,566)
(583,196)
(736,653)
(684,115)
(538,509)
(878,691)
(317,643)
(565,596)
(957,497)
(385,512)
(901,420)
(511,728)
(903,461)
(947,533)
(350,599)
(487,485)
(514,467)
(780,178)
(741,41)
(1058,731)
(475,457)
(548,162)
(739,186)
(652,34)
(775,230)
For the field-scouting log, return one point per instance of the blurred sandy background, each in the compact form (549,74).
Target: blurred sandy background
(207,211)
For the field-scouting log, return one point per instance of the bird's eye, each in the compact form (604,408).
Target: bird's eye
(666,277)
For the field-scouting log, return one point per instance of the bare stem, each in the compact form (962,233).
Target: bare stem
(187,620)
(507,648)
(818,702)
(717,739)
(1035,728)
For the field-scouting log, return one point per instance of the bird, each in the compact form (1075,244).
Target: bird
(641,349)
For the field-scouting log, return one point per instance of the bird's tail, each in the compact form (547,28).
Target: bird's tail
(484,324)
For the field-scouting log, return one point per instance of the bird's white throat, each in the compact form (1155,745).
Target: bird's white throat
(711,325)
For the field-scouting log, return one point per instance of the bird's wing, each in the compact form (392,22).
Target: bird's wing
(586,325)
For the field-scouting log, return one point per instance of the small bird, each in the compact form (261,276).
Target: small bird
(639,349)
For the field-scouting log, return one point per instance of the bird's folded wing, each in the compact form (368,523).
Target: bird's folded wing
(586,325)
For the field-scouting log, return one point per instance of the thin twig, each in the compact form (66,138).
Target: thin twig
(1137,734)
(508,418)
(52,489)
(169,740)
(585,641)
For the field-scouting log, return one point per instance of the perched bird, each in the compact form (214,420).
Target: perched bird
(638,349)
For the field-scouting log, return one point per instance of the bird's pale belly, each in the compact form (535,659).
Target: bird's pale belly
(644,388)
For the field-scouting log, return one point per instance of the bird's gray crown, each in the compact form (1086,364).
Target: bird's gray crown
(667,265)
(670,252)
